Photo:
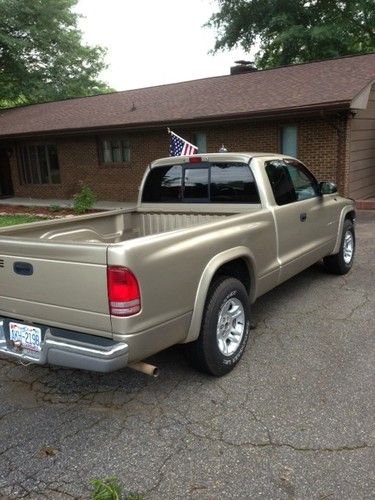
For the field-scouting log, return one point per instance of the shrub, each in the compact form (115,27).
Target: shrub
(54,208)
(84,200)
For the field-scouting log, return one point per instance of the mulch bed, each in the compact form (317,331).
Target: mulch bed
(42,211)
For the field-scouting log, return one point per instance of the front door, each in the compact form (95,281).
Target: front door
(6,185)
(303,218)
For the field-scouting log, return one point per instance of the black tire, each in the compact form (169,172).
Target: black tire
(205,353)
(340,263)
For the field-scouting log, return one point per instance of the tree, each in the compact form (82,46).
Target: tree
(294,31)
(42,56)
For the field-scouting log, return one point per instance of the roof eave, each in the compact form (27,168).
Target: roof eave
(360,101)
(297,112)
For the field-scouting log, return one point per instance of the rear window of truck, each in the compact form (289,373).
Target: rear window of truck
(201,183)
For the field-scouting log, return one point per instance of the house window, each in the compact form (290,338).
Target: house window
(288,140)
(114,150)
(200,140)
(39,164)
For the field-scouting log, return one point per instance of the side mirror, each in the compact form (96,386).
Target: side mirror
(327,187)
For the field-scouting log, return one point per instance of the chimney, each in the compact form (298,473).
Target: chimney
(242,67)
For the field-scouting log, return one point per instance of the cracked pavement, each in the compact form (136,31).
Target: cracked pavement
(295,419)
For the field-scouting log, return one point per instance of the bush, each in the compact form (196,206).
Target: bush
(54,208)
(84,200)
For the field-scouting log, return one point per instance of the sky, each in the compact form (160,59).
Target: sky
(152,42)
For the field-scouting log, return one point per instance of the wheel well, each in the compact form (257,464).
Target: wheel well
(238,269)
(350,216)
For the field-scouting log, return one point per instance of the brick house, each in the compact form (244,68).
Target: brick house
(322,112)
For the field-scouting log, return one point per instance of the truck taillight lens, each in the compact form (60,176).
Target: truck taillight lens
(123,292)
(195,159)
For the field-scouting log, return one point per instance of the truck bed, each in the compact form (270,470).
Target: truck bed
(69,257)
(111,227)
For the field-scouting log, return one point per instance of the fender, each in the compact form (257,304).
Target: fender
(344,213)
(204,283)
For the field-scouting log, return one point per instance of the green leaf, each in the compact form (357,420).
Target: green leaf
(42,55)
(106,489)
(293,31)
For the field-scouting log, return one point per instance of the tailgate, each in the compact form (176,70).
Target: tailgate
(57,284)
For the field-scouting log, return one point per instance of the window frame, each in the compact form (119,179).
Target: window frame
(110,137)
(25,171)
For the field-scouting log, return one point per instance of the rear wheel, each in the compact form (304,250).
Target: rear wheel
(342,262)
(225,328)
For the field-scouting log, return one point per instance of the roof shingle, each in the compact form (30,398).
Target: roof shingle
(304,86)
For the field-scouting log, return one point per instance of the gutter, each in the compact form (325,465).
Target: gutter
(314,110)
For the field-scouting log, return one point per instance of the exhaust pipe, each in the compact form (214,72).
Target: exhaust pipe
(145,368)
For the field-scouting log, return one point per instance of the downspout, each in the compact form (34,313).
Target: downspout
(342,174)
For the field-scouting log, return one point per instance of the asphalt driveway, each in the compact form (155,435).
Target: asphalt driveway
(296,419)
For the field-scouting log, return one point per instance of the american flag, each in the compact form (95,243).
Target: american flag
(178,146)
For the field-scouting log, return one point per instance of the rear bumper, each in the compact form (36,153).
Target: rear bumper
(69,349)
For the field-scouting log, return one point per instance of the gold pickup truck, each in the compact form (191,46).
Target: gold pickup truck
(209,235)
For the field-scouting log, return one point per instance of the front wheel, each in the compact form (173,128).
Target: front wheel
(342,262)
(225,328)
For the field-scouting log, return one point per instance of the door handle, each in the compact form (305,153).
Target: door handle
(302,216)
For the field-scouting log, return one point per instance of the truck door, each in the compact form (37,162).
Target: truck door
(304,218)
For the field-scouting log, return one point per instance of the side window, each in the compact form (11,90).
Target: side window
(304,183)
(233,183)
(280,181)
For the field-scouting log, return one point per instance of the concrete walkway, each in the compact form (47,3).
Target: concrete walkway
(36,202)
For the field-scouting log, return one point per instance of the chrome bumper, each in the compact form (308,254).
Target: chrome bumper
(69,349)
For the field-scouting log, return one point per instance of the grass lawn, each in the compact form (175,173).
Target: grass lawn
(11,220)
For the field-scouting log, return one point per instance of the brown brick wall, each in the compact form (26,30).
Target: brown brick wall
(318,148)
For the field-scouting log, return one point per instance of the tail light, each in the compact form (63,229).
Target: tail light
(123,292)
(195,159)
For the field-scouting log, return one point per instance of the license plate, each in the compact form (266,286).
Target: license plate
(29,336)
